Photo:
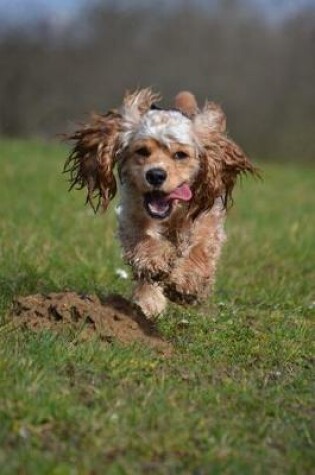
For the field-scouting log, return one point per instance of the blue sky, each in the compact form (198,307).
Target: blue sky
(19,8)
(12,10)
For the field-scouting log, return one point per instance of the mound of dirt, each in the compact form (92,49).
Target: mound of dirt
(113,318)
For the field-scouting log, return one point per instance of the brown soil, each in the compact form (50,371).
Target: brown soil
(111,319)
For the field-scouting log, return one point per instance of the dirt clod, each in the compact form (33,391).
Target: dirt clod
(112,319)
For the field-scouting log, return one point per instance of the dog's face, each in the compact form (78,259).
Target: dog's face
(160,174)
(165,157)
(159,161)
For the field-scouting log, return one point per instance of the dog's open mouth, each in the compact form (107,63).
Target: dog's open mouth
(159,204)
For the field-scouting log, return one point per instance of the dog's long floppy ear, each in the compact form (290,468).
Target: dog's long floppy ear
(135,105)
(139,102)
(222,160)
(234,162)
(186,102)
(92,159)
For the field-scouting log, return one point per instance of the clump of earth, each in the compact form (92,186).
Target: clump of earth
(112,319)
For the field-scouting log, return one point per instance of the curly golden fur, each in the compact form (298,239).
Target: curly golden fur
(177,169)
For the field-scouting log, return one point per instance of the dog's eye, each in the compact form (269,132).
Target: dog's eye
(180,155)
(143,151)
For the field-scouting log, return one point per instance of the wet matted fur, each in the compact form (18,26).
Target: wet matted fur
(176,171)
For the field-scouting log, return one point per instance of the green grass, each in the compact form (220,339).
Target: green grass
(235,398)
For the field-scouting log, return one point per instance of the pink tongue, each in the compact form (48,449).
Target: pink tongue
(182,193)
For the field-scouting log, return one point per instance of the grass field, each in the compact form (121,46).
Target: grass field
(234,398)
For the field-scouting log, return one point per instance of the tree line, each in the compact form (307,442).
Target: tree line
(262,72)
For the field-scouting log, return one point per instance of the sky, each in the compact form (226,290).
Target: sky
(19,10)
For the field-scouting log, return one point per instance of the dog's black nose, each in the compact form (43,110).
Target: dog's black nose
(156,176)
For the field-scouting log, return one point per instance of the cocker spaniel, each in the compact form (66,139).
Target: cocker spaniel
(176,170)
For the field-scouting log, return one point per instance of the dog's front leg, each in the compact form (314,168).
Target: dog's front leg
(191,277)
(149,297)
(193,274)
(150,259)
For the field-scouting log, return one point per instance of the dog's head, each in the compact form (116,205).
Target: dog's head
(165,157)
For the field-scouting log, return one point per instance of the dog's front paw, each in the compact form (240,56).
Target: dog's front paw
(181,293)
(186,288)
(151,269)
(153,264)
(149,298)
(180,296)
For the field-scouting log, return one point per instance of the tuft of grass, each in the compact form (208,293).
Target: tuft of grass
(236,395)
